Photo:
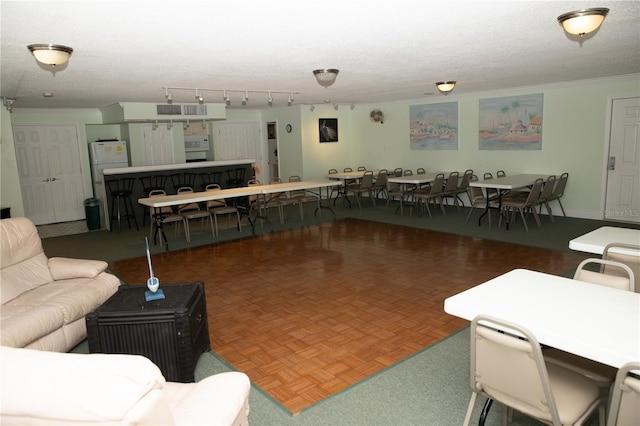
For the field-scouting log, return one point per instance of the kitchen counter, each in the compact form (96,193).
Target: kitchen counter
(200,168)
(173,167)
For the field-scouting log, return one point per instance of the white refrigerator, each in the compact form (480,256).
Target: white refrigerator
(106,155)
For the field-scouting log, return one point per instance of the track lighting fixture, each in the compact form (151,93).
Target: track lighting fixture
(185,125)
(8,103)
(335,106)
(226,94)
(312,107)
(169,125)
(154,126)
(204,124)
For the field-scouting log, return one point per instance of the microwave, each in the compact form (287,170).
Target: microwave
(196,143)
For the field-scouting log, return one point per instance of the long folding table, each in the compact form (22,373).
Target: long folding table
(259,190)
(504,185)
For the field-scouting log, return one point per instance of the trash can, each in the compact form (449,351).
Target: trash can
(92,212)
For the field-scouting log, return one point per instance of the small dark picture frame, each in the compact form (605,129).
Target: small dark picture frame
(328,129)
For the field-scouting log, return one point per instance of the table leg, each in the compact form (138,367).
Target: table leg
(320,205)
(485,411)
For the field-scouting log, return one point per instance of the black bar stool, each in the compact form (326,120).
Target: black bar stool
(183,180)
(151,183)
(235,177)
(120,190)
(209,178)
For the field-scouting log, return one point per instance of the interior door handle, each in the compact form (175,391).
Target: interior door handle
(612,163)
(53,179)
(46,180)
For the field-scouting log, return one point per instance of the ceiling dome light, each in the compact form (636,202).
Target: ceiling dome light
(326,77)
(445,87)
(581,22)
(50,54)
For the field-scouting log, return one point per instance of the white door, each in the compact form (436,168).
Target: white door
(240,141)
(50,176)
(623,179)
(158,145)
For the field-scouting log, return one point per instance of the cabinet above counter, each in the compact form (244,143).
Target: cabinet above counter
(173,167)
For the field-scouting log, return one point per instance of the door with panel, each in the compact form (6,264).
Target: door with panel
(50,172)
(623,178)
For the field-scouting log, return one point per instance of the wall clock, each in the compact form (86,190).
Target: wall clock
(289,128)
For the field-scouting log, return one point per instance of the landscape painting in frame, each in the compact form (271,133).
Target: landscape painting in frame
(434,126)
(511,123)
(328,129)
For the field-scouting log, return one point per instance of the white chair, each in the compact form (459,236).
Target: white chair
(610,274)
(160,216)
(602,374)
(193,211)
(624,408)
(631,258)
(220,208)
(301,196)
(507,366)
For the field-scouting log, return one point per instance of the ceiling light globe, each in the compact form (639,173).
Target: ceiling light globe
(581,22)
(50,54)
(326,77)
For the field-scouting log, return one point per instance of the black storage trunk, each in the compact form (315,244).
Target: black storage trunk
(172,332)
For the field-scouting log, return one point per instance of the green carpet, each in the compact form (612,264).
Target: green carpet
(429,388)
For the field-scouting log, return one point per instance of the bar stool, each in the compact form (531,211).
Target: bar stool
(120,190)
(209,178)
(235,177)
(151,183)
(183,180)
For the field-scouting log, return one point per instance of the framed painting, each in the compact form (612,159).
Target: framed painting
(434,126)
(511,123)
(328,129)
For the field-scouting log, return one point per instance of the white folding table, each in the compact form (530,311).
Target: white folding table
(589,320)
(245,191)
(409,182)
(504,185)
(596,240)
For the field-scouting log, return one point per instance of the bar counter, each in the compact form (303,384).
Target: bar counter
(200,168)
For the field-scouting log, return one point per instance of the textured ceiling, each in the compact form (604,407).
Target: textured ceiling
(126,51)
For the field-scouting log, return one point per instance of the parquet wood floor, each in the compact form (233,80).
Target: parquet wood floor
(310,311)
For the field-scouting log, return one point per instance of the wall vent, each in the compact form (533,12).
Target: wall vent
(194,109)
(165,109)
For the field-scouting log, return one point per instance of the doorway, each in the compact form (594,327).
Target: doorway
(272,147)
(623,176)
(49,170)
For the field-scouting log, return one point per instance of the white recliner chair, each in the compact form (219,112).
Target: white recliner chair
(54,388)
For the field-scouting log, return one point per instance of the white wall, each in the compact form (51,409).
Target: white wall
(574,139)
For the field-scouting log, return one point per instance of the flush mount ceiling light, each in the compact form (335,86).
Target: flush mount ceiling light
(326,77)
(50,54)
(581,22)
(445,87)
